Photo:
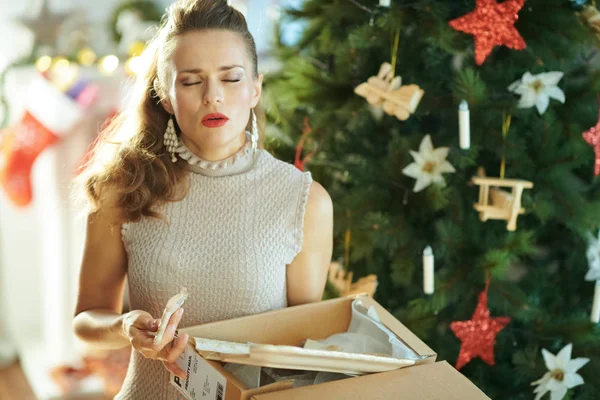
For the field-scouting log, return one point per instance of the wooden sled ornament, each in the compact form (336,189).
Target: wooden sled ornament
(386,91)
(495,203)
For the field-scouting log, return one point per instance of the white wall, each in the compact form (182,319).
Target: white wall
(42,243)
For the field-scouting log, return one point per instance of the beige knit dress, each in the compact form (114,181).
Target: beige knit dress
(228,242)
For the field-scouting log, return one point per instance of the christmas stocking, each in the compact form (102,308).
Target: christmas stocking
(49,115)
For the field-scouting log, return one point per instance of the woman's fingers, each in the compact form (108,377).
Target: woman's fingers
(174,368)
(170,330)
(173,353)
(153,325)
(142,339)
(143,342)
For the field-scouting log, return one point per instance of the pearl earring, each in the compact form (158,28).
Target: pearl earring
(254,136)
(170,139)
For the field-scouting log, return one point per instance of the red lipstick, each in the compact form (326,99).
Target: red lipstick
(214,120)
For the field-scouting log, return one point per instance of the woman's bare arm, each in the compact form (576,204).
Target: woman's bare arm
(98,319)
(98,316)
(307,274)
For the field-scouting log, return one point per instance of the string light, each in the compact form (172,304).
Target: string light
(137,48)
(60,63)
(133,65)
(86,57)
(108,64)
(43,63)
(64,73)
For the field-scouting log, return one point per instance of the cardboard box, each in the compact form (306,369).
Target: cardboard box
(292,326)
(421,382)
(209,380)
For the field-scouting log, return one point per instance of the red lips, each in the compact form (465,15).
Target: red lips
(214,120)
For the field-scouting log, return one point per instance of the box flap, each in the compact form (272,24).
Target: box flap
(273,387)
(293,325)
(402,331)
(275,339)
(288,326)
(428,381)
(291,357)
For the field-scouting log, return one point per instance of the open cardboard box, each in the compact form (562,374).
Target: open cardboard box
(291,326)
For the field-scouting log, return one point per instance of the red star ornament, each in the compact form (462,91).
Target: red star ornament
(478,335)
(493,25)
(592,136)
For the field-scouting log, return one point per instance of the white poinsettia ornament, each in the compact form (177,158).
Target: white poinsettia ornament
(536,90)
(429,165)
(593,256)
(562,374)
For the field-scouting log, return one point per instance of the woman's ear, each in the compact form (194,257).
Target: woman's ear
(164,101)
(257,90)
(167,106)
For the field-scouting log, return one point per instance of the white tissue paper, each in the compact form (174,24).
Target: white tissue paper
(366,334)
(173,305)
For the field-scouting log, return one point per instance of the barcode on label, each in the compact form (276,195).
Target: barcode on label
(219,391)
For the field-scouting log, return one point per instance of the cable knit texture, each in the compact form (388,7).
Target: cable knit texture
(228,242)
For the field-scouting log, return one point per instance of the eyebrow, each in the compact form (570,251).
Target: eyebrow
(223,68)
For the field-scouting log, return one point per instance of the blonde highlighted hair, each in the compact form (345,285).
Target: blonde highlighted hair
(130,160)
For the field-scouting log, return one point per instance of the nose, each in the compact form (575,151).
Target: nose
(213,93)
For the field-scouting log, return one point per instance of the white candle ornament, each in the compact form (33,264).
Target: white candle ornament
(595,317)
(428,261)
(464,125)
(384,3)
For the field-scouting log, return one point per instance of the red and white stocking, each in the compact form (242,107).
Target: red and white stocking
(49,115)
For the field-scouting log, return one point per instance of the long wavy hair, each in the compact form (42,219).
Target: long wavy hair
(130,159)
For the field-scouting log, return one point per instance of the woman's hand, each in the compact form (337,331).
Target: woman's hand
(139,327)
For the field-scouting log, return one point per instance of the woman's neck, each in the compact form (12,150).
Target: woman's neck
(216,153)
(236,163)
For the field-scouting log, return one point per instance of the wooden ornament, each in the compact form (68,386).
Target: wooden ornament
(342,281)
(496,203)
(590,16)
(386,91)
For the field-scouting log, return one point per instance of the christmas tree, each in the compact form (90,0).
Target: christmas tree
(463,132)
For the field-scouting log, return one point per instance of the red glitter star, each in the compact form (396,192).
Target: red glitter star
(478,335)
(492,24)
(592,136)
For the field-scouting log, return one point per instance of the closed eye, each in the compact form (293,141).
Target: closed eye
(196,83)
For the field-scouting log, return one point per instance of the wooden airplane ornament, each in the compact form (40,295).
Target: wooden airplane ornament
(495,203)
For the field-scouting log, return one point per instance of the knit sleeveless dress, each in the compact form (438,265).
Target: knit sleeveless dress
(228,243)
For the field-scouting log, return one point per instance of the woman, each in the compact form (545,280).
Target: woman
(182,196)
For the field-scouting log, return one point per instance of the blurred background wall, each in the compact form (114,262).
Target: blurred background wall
(41,240)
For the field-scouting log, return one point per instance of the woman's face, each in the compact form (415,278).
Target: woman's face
(211,72)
